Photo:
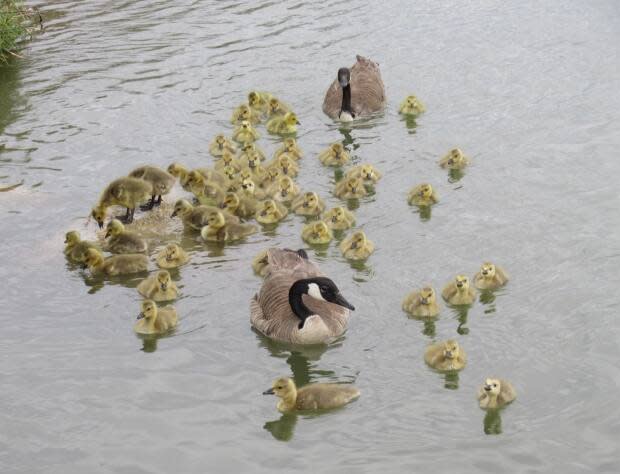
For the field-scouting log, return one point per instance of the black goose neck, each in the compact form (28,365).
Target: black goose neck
(346,99)
(299,288)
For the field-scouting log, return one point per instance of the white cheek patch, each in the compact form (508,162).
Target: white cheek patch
(313,290)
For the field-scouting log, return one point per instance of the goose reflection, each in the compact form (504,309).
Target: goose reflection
(451,380)
(410,123)
(455,175)
(492,423)
(460,314)
(301,361)
(424,212)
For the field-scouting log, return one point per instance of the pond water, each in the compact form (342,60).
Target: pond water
(529,90)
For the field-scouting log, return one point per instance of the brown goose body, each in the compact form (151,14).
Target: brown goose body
(367,91)
(272,315)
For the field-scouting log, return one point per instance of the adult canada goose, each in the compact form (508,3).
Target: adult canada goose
(496,393)
(154,320)
(76,248)
(125,192)
(490,277)
(315,396)
(161,180)
(357,92)
(119,240)
(296,303)
(260,264)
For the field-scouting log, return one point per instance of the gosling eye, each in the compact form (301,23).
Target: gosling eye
(494,385)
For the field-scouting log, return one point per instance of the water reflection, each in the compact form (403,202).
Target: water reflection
(460,314)
(283,428)
(451,380)
(487,297)
(424,212)
(455,175)
(9,95)
(410,123)
(347,138)
(492,422)
(428,325)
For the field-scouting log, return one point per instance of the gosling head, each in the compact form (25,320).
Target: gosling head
(163,279)
(98,213)
(171,252)
(412,101)
(114,228)
(230,172)
(273,173)
(344,77)
(220,140)
(227,158)
(320,230)
(284,163)
(249,187)
(254,99)
(337,149)
(338,214)
(72,238)
(269,208)
(451,349)
(253,159)
(353,184)
(492,387)
(231,202)
(177,170)
(92,258)
(274,105)
(286,185)
(281,387)
(245,125)
(427,295)
(367,172)
(181,208)
(358,240)
(426,191)
(487,270)
(311,200)
(289,144)
(195,178)
(461,282)
(148,310)
(244,112)
(290,119)
(216,220)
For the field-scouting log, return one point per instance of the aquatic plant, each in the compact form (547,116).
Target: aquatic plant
(16,22)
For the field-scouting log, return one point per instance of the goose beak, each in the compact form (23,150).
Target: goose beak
(140,316)
(487,388)
(340,301)
(107,234)
(269,392)
(100,224)
(163,286)
(174,214)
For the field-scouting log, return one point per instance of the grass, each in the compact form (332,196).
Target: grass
(16,22)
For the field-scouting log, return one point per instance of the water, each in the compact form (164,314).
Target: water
(528,90)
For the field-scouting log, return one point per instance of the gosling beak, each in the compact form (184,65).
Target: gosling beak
(449,354)
(487,388)
(263,213)
(84,266)
(174,214)
(107,234)
(100,224)
(340,301)
(354,245)
(334,219)
(140,316)
(459,284)
(163,286)
(424,300)
(298,122)
(269,392)
(66,241)
(484,272)
(223,205)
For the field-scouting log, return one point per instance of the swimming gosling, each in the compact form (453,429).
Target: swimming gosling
(496,393)
(315,396)
(121,241)
(357,246)
(116,264)
(490,277)
(421,303)
(172,256)
(445,356)
(158,287)
(75,248)
(459,291)
(154,320)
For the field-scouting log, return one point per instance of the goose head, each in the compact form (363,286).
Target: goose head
(220,140)
(98,213)
(269,208)
(285,185)
(427,296)
(492,387)
(253,158)
(337,215)
(244,112)
(320,288)
(462,283)
(344,79)
(451,349)
(487,270)
(163,279)
(358,240)
(72,238)
(426,191)
(216,220)
(254,99)
(249,187)
(289,144)
(178,170)
(148,310)
(114,228)
(290,119)
(92,258)
(282,387)
(285,164)
(181,208)
(231,202)
(311,200)
(275,107)
(171,252)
